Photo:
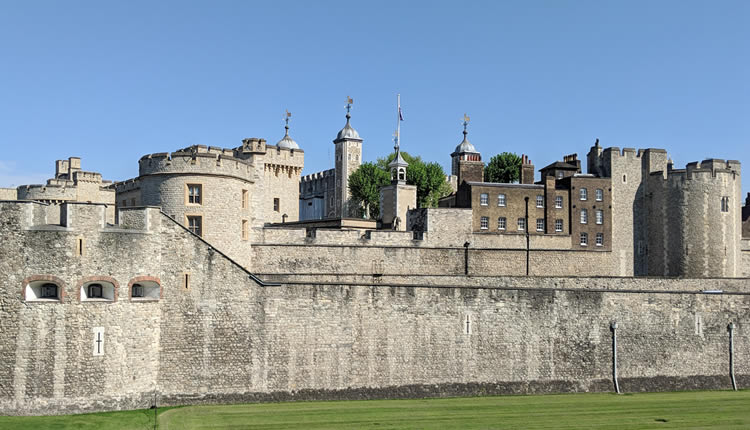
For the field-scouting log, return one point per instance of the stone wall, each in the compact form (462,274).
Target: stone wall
(745,253)
(219,336)
(8,194)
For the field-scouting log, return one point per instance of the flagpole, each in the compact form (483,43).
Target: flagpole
(398,122)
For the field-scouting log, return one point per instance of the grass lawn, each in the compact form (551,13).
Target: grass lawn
(683,410)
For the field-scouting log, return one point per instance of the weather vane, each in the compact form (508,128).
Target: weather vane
(349,103)
(466,121)
(287,115)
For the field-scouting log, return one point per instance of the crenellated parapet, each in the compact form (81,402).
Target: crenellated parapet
(198,160)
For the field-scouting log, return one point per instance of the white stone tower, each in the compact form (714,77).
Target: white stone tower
(348,159)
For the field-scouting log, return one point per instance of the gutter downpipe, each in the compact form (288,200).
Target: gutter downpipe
(613,327)
(466,258)
(730,327)
(527,234)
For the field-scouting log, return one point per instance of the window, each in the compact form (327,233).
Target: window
(276,204)
(584,239)
(558,225)
(194,192)
(599,216)
(137,290)
(94,291)
(49,291)
(132,202)
(98,290)
(501,199)
(484,223)
(624,179)
(501,223)
(560,174)
(195,225)
(124,203)
(521,224)
(484,199)
(599,194)
(600,239)
(540,201)
(584,216)
(244,199)
(584,193)
(244,229)
(558,202)
(725,204)
(540,224)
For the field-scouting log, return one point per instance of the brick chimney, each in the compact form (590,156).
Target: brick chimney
(527,170)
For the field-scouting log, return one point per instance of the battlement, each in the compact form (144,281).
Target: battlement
(74,217)
(325,174)
(702,170)
(284,156)
(198,160)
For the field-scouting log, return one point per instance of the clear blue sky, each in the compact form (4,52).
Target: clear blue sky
(112,81)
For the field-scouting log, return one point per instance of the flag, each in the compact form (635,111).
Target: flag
(400,115)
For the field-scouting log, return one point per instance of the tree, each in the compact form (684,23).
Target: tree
(364,186)
(504,167)
(428,177)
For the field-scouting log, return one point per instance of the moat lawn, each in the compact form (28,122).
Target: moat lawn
(682,410)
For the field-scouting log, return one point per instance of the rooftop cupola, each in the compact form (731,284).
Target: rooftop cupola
(287,142)
(348,132)
(398,168)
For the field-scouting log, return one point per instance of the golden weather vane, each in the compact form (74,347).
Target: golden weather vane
(466,118)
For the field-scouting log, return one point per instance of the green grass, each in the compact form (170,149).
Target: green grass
(682,410)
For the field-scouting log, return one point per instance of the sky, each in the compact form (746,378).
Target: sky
(112,81)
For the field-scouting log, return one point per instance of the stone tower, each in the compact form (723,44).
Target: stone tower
(466,161)
(397,198)
(348,159)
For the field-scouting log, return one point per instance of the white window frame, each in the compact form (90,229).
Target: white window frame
(584,216)
(599,216)
(584,193)
(599,195)
(484,199)
(539,201)
(521,224)
(558,202)
(584,239)
(600,239)
(484,223)
(540,224)
(502,223)
(501,200)
(558,225)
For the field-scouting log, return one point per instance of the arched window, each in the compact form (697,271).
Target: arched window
(49,291)
(43,288)
(98,289)
(95,291)
(144,289)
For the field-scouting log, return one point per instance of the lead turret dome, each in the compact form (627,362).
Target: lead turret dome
(287,142)
(348,132)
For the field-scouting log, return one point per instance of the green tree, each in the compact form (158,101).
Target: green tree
(428,177)
(504,168)
(364,186)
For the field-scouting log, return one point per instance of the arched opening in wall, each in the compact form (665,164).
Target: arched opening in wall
(43,291)
(144,290)
(98,291)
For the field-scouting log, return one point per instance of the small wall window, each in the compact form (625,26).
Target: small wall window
(540,224)
(584,193)
(244,229)
(584,239)
(195,224)
(558,202)
(144,290)
(521,223)
(725,204)
(599,194)
(501,199)
(600,239)
(559,175)
(98,291)
(484,199)
(558,225)
(42,291)
(501,223)
(484,223)
(584,216)
(244,199)
(599,216)
(194,194)
(624,179)
(276,204)
(540,201)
